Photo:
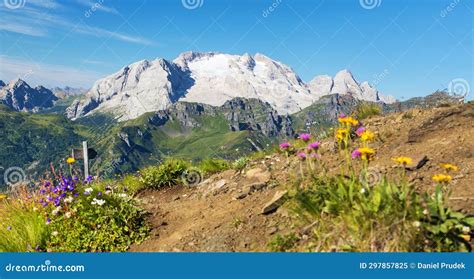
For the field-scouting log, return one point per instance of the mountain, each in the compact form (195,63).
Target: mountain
(19,96)
(63,92)
(187,130)
(212,78)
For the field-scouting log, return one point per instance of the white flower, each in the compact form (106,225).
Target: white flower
(68,215)
(122,195)
(362,190)
(426,212)
(87,191)
(56,210)
(466,229)
(68,200)
(416,224)
(55,233)
(98,202)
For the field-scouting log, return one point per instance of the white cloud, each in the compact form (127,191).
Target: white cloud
(98,5)
(48,75)
(22,29)
(37,22)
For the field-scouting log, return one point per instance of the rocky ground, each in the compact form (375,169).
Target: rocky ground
(244,210)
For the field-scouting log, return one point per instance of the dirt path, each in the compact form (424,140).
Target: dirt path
(210,217)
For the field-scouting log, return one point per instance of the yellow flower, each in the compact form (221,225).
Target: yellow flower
(71,160)
(465,237)
(367,136)
(403,160)
(3,197)
(442,178)
(366,153)
(449,167)
(342,134)
(348,121)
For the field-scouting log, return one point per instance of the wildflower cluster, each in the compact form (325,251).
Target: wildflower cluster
(445,178)
(73,215)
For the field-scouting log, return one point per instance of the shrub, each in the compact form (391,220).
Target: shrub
(98,222)
(367,109)
(213,165)
(167,174)
(22,229)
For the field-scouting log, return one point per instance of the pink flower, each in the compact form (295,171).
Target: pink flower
(342,115)
(360,130)
(314,145)
(305,137)
(356,154)
(285,145)
(302,155)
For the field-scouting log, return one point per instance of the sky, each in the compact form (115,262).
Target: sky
(404,48)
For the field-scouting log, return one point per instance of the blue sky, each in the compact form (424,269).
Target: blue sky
(404,47)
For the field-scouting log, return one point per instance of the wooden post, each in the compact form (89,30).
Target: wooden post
(86,159)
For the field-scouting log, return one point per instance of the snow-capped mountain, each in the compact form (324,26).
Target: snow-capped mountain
(211,78)
(19,96)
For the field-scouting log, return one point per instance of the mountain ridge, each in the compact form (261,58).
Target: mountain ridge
(212,78)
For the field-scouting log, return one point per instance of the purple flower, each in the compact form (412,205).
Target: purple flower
(314,145)
(305,137)
(285,145)
(342,115)
(47,184)
(43,203)
(75,178)
(37,248)
(99,194)
(9,228)
(42,191)
(302,155)
(356,154)
(48,221)
(76,195)
(360,130)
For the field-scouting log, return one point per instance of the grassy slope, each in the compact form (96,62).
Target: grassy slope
(32,141)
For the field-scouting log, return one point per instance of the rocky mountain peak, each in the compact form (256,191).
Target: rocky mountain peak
(19,96)
(212,78)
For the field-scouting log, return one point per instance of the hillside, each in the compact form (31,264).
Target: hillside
(224,212)
(32,141)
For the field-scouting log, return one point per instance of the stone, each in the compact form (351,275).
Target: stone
(272,230)
(278,200)
(240,196)
(258,175)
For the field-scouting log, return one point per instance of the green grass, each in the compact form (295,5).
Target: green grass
(367,109)
(21,228)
